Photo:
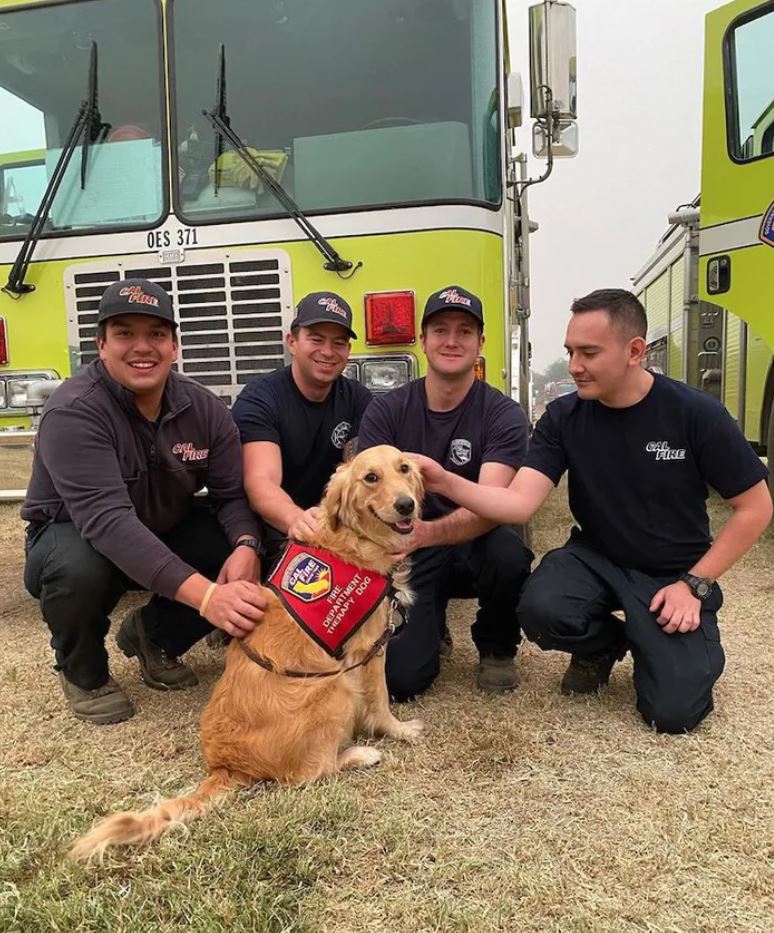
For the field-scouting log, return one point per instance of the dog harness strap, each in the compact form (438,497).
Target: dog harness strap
(329,598)
(268,665)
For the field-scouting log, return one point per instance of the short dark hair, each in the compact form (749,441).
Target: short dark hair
(102,329)
(625,309)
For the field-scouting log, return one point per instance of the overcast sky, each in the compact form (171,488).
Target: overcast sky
(601,214)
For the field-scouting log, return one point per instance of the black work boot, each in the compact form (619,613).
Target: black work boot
(589,673)
(102,706)
(497,675)
(447,644)
(158,669)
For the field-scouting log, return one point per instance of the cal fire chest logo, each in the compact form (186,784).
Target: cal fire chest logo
(662,451)
(327,597)
(460,451)
(187,451)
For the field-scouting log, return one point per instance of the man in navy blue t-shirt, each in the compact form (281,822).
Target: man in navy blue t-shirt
(640,451)
(477,432)
(296,422)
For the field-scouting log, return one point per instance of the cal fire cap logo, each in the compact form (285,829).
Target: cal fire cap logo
(454,298)
(135,296)
(327,597)
(323,308)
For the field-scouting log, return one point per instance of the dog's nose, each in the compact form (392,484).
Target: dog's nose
(404,505)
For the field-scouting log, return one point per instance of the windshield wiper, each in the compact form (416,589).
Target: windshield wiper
(89,122)
(221,124)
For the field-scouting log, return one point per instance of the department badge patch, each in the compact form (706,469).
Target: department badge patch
(460,451)
(307,577)
(766,233)
(340,434)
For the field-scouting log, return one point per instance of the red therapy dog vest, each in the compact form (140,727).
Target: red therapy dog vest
(329,598)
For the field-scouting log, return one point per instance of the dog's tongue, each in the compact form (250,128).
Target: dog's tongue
(404,524)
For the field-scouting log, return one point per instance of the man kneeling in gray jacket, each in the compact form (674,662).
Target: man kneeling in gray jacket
(122,448)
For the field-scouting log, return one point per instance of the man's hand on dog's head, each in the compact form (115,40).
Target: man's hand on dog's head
(434,477)
(236,607)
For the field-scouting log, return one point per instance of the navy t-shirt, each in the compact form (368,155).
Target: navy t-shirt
(638,476)
(310,435)
(485,427)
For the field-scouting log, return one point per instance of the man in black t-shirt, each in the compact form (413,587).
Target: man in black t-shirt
(639,450)
(478,433)
(295,423)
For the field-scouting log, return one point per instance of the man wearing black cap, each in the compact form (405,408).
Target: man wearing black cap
(477,432)
(296,422)
(122,448)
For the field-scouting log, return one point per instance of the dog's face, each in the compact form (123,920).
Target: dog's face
(377,494)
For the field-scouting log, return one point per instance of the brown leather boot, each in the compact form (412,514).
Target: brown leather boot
(158,669)
(102,706)
(589,673)
(497,675)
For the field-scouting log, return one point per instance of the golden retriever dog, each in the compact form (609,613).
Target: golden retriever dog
(262,725)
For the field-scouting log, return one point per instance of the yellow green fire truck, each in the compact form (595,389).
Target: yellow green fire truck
(709,287)
(244,154)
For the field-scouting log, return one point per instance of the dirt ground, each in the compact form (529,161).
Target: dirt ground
(528,812)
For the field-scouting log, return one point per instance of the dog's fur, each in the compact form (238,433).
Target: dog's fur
(260,725)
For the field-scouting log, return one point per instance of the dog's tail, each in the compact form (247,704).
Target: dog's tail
(128,828)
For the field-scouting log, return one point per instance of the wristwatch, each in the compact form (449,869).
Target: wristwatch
(254,543)
(701,587)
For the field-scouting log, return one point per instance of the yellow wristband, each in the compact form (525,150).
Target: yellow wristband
(206,601)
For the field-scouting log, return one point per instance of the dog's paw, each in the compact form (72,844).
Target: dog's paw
(409,731)
(359,756)
(369,757)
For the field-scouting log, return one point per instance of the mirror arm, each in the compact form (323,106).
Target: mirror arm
(521,186)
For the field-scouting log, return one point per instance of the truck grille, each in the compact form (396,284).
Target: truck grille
(232,312)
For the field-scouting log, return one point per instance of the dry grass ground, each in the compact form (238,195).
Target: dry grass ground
(529,812)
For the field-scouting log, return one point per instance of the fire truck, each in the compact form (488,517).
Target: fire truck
(245,154)
(709,287)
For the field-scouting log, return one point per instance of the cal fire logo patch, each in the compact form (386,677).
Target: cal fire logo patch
(307,577)
(329,598)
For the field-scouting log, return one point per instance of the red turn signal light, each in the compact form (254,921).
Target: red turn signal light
(480,369)
(390,318)
(3,342)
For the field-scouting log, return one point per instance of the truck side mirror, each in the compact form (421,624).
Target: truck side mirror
(553,78)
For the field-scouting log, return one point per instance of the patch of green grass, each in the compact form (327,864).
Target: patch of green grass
(252,864)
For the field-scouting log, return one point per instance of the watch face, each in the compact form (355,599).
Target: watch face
(703,589)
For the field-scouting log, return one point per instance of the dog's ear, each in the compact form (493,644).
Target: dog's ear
(332,500)
(419,486)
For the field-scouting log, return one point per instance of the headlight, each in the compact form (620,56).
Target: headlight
(383,375)
(352,371)
(3,403)
(24,390)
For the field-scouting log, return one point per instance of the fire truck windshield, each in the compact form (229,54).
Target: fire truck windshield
(44,60)
(350,104)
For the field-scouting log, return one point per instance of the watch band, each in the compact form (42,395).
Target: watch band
(253,543)
(701,587)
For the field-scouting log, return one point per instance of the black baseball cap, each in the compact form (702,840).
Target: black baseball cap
(454,298)
(323,308)
(136,296)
